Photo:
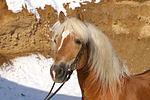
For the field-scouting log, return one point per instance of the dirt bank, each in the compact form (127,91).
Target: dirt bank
(126,23)
(22,33)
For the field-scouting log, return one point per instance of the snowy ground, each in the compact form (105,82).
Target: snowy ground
(28,78)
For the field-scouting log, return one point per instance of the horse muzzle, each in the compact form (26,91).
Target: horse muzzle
(59,72)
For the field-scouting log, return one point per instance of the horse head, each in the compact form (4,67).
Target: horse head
(71,49)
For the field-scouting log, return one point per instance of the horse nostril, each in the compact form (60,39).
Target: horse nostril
(60,72)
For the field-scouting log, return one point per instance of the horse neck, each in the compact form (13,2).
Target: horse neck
(104,71)
(91,91)
(94,90)
(85,76)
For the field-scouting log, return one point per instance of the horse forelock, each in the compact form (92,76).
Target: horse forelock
(74,27)
(104,62)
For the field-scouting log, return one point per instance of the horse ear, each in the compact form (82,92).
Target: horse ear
(62,17)
(79,16)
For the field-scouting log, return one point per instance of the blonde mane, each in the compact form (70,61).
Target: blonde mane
(103,59)
(107,67)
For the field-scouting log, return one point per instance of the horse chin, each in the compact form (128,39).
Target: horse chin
(60,80)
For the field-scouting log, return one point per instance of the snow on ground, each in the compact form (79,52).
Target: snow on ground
(29,79)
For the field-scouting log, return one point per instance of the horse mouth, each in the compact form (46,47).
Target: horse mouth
(59,73)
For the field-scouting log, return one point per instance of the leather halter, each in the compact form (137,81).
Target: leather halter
(69,71)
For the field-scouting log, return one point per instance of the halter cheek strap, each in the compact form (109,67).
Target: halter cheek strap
(77,58)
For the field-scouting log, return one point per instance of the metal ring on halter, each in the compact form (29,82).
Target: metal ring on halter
(70,71)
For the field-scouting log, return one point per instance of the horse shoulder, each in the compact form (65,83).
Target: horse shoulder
(137,87)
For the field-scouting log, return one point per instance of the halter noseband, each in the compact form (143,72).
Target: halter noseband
(69,71)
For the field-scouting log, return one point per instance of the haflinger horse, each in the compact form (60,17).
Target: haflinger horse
(101,74)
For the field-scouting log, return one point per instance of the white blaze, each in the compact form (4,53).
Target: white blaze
(54,74)
(64,35)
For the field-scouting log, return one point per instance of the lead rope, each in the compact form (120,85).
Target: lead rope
(54,92)
(70,72)
(50,91)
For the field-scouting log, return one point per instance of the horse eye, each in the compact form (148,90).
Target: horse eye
(54,40)
(77,41)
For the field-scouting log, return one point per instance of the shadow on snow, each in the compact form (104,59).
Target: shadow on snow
(13,91)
